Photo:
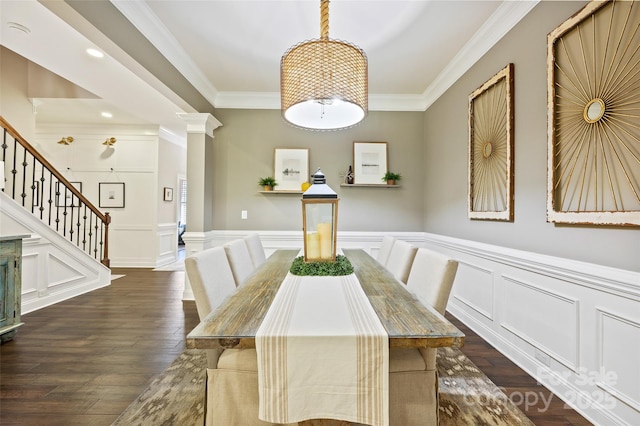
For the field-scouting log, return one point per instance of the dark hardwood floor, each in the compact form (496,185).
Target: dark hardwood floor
(535,400)
(82,361)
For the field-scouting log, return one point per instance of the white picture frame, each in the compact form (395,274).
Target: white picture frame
(291,168)
(111,194)
(167,194)
(369,163)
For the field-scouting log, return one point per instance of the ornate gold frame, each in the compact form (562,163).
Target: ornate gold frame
(491,148)
(593,166)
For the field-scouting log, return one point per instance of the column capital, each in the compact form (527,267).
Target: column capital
(200,122)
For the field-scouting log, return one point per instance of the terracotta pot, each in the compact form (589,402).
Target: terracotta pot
(391,182)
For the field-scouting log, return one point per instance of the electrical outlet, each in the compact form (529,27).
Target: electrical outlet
(243,214)
(542,357)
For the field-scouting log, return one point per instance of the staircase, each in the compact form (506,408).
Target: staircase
(66,252)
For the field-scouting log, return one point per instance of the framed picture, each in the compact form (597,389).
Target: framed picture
(593,104)
(369,162)
(64,197)
(167,194)
(491,148)
(291,168)
(111,194)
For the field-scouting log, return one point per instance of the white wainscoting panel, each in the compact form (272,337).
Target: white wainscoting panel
(29,273)
(566,323)
(542,318)
(53,268)
(61,272)
(620,373)
(132,246)
(167,244)
(474,288)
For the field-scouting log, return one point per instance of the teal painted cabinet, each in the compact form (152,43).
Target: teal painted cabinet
(10,286)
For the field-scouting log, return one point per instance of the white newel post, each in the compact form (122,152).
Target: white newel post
(200,127)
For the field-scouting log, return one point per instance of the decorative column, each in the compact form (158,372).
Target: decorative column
(200,127)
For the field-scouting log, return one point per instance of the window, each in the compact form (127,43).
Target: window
(182,218)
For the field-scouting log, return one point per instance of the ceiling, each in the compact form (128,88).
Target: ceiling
(230,50)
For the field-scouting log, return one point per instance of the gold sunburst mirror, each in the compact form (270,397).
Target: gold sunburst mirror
(491,148)
(593,167)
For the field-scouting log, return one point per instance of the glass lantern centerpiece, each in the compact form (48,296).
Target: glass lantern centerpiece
(319,220)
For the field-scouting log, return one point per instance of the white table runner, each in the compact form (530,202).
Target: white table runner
(323,354)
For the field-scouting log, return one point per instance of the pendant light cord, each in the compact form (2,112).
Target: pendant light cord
(324,19)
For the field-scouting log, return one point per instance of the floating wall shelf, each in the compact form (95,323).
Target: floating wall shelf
(292,191)
(369,185)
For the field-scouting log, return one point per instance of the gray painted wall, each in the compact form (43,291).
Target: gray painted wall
(244,152)
(446,157)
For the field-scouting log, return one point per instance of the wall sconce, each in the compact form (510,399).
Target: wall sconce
(109,141)
(66,141)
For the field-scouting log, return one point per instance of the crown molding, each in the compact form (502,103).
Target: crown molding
(271,100)
(378,102)
(200,122)
(508,14)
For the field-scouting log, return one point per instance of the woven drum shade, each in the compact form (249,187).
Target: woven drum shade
(323,84)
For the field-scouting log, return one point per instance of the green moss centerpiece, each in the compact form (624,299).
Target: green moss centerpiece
(341,266)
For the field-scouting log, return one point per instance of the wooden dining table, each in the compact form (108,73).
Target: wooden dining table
(408,323)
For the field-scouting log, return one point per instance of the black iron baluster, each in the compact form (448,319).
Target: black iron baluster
(90,231)
(84,229)
(41,193)
(65,213)
(33,185)
(101,242)
(14,170)
(58,206)
(23,194)
(4,145)
(4,153)
(71,209)
(50,201)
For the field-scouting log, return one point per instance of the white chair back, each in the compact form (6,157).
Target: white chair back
(239,259)
(256,250)
(400,259)
(210,277)
(431,278)
(385,249)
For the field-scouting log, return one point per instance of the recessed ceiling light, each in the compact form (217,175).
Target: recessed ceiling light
(95,53)
(107,114)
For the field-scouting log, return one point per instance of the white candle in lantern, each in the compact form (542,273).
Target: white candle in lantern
(313,245)
(324,230)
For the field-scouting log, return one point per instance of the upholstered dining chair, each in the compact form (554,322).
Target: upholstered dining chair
(431,278)
(401,259)
(232,374)
(256,250)
(239,259)
(385,249)
(210,277)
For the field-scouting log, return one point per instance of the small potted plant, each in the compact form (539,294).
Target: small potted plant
(391,178)
(268,183)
